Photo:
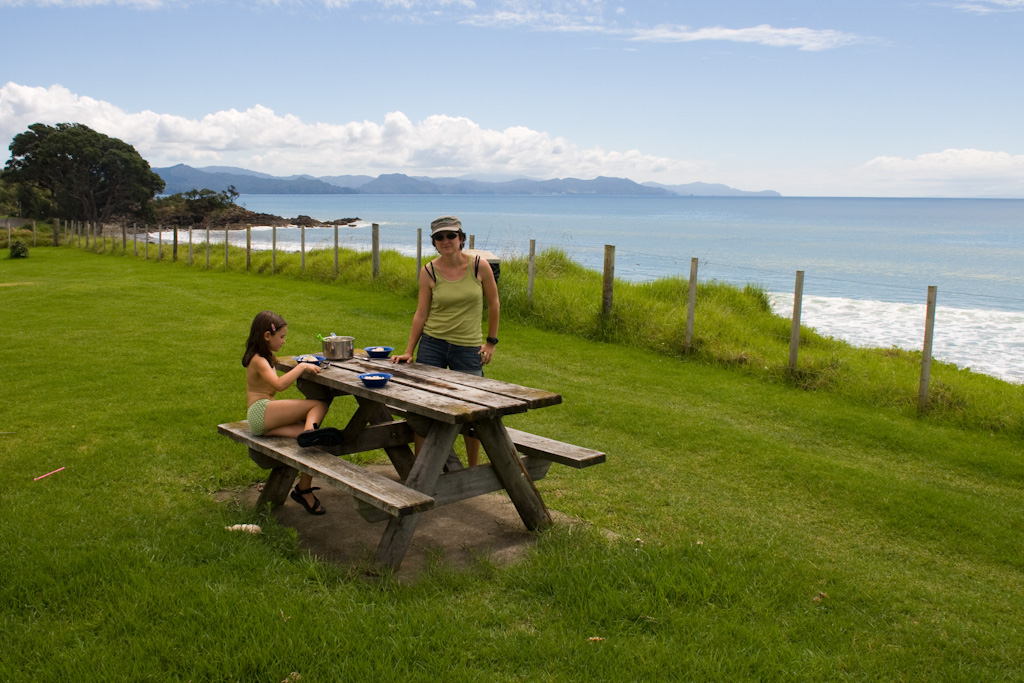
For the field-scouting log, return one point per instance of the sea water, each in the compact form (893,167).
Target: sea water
(867,262)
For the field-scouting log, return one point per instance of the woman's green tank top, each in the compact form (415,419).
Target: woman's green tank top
(456,309)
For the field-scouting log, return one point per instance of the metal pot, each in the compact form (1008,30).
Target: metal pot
(338,348)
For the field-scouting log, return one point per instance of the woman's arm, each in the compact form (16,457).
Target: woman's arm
(491,296)
(419,319)
(493,311)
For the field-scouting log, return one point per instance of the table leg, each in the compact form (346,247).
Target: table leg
(509,468)
(275,490)
(401,456)
(423,477)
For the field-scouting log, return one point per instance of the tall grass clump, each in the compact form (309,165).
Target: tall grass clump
(734,327)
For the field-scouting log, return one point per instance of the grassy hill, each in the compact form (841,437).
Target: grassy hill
(769,528)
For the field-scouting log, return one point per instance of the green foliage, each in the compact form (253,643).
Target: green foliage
(91,176)
(19,249)
(733,327)
(195,207)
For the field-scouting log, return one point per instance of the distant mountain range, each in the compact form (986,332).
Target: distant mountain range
(182,178)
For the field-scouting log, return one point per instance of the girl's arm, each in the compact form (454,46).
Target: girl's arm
(419,319)
(281,382)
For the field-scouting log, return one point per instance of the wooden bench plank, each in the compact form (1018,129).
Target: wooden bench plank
(556,451)
(390,496)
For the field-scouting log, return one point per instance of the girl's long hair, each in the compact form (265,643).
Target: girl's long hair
(265,321)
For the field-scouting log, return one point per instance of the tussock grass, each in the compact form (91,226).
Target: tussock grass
(734,327)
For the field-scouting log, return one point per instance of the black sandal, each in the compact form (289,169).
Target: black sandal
(328,436)
(316,508)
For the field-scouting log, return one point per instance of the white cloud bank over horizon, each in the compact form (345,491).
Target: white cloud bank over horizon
(443,145)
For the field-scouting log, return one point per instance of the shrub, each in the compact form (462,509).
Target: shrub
(19,249)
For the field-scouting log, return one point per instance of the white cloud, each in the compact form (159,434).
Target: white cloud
(800,38)
(950,173)
(990,6)
(262,140)
(589,18)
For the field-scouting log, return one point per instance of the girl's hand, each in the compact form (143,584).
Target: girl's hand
(404,358)
(310,367)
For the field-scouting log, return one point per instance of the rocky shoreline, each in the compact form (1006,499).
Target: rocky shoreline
(240,218)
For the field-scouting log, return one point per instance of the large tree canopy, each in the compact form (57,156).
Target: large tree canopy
(92,176)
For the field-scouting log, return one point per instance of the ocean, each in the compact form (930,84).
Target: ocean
(867,262)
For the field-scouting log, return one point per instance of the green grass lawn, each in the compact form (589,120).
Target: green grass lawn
(765,532)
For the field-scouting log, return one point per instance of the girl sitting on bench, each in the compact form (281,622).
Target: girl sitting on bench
(286,417)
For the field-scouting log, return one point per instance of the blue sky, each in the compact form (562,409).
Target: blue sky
(809,98)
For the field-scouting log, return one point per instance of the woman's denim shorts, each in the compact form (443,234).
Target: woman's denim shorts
(441,354)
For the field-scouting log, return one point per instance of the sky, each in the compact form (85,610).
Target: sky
(879,98)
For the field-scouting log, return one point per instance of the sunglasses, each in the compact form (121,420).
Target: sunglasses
(438,236)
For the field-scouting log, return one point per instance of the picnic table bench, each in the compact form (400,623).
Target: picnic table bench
(445,403)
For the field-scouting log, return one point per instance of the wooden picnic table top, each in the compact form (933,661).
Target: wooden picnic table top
(443,395)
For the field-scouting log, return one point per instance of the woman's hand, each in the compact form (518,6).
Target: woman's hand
(403,358)
(486,353)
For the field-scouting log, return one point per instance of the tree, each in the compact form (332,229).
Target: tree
(90,175)
(196,207)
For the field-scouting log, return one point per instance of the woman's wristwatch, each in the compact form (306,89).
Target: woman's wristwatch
(492,340)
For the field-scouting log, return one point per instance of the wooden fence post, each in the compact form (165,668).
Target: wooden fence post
(335,250)
(207,248)
(419,252)
(190,229)
(34,242)
(609,279)
(174,246)
(691,305)
(86,231)
(248,247)
(376,250)
(794,332)
(145,228)
(472,241)
(124,237)
(926,352)
(226,245)
(302,248)
(531,270)
(135,239)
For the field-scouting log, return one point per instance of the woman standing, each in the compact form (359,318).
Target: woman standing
(449,311)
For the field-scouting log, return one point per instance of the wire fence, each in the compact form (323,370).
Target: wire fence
(905,322)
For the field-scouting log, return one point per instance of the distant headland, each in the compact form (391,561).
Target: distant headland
(182,178)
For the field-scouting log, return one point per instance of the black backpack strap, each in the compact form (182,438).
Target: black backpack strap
(476,266)
(430,271)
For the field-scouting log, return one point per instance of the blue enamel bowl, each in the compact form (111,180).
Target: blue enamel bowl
(375,380)
(379,351)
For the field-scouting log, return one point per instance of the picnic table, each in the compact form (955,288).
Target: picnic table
(444,404)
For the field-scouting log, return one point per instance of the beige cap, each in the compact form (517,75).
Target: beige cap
(445,223)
